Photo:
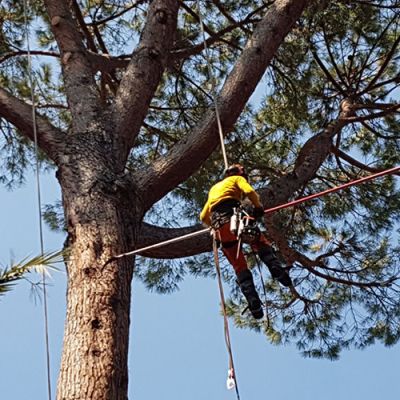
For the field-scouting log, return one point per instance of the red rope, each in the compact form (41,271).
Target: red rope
(332,190)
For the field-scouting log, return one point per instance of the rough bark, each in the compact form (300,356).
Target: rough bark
(50,139)
(102,219)
(94,359)
(76,67)
(144,72)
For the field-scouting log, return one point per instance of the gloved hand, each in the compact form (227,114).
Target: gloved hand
(258,212)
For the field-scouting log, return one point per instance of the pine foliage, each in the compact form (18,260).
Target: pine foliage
(347,244)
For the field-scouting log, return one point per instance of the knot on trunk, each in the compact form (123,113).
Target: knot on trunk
(153,52)
(55,21)
(161,16)
(96,353)
(95,323)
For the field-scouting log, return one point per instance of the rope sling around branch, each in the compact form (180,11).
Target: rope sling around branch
(38,191)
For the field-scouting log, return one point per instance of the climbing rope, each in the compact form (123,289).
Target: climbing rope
(231,380)
(38,191)
(213,86)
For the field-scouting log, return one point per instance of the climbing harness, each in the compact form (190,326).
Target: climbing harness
(38,191)
(244,226)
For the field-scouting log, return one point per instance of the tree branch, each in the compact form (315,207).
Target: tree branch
(209,31)
(373,4)
(310,266)
(381,114)
(151,234)
(333,61)
(187,155)
(197,49)
(144,72)
(19,114)
(352,161)
(105,63)
(375,106)
(116,15)
(375,132)
(77,69)
(389,56)
(312,155)
(24,53)
(328,74)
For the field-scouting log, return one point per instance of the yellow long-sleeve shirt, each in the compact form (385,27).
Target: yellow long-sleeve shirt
(233,187)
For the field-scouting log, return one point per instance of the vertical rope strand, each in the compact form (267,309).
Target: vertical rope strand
(213,85)
(226,323)
(38,191)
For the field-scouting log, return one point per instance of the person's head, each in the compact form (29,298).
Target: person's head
(235,169)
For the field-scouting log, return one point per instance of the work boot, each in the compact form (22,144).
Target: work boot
(268,257)
(246,283)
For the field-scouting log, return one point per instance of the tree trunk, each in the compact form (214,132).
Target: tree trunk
(94,360)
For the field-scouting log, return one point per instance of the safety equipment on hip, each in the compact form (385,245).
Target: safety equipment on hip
(243,226)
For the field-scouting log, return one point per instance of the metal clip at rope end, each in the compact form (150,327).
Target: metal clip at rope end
(230,381)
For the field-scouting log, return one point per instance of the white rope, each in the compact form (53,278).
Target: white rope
(160,244)
(213,85)
(38,191)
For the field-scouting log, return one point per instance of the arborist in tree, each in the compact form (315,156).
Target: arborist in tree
(224,199)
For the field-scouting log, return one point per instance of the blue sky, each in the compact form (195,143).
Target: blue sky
(177,348)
